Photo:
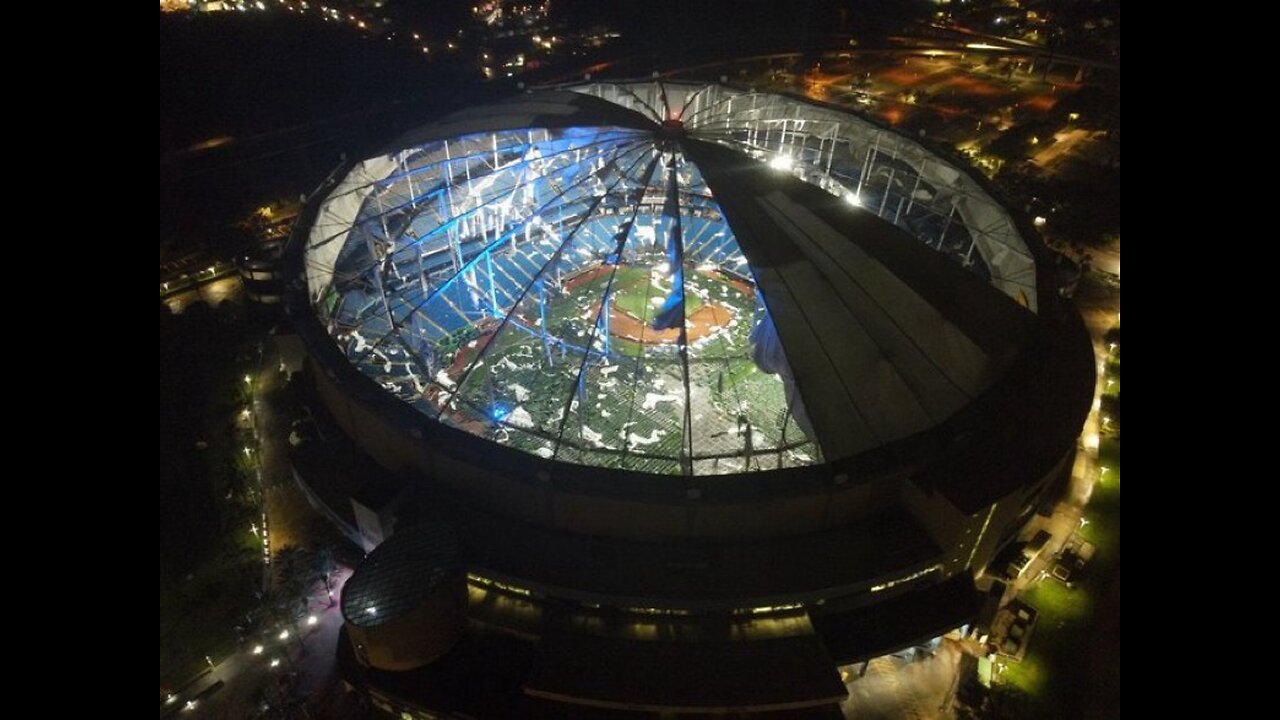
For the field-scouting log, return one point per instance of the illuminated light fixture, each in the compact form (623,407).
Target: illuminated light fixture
(284,635)
(312,620)
(774,608)
(257,649)
(782,162)
(1039,221)
(275,662)
(905,578)
(853,199)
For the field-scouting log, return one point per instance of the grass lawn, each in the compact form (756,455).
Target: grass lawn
(1056,670)
(198,616)
(633,293)
(1052,673)
(210,562)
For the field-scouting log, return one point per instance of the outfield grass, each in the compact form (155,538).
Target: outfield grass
(634,401)
(633,293)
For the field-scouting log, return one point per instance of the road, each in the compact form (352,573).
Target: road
(249,677)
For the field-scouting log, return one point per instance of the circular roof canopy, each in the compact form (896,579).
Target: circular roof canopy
(397,576)
(671,278)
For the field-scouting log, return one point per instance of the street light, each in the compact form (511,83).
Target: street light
(312,620)
(257,649)
(284,635)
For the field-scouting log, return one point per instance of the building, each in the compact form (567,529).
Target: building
(715,390)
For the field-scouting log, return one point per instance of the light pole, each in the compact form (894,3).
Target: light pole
(328,588)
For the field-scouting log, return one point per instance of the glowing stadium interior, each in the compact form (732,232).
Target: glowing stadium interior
(564,280)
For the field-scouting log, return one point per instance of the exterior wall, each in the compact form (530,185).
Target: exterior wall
(260,274)
(1011,509)
(973,540)
(951,529)
(519,495)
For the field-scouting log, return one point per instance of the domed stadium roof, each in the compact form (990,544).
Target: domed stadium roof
(671,278)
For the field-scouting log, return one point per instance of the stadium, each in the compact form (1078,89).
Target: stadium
(708,392)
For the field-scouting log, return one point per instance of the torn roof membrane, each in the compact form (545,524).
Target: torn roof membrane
(676,303)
